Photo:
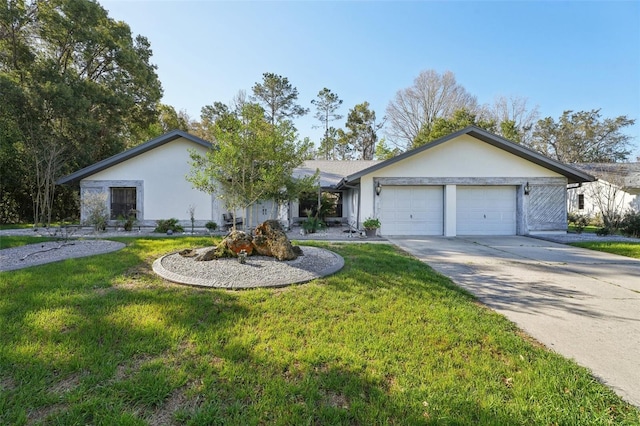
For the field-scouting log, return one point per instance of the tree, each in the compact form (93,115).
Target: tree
(362,132)
(607,195)
(432,96)
(326,106)
(278,98)
(252,162)
(583,137)
(515,121)
(384,152)
(83,89)
(168,119)
(445,126)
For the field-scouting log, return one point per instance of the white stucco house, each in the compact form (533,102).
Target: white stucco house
(471,182)
(616,190)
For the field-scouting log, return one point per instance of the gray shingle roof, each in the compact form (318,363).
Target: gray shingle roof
(627,175)
(332,171)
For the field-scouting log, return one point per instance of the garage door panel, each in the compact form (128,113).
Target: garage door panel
(411,210)
(486,210)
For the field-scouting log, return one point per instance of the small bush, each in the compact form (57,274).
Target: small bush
(371,223)
(129,221)
(579,221)
(211,226)
(313,223)
(604,231)
(95,204)
(164,225)
(630,224)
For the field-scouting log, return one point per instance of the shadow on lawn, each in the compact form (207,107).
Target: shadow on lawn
(85,343)
(385,267)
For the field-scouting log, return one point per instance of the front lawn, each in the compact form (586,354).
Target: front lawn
(615,247)
(103,341)
(16,241)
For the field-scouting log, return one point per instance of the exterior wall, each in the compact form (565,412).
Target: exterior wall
(546,208)
(163,191)
(469,161)
(599,193)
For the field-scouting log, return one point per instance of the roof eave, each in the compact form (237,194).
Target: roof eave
(130,153)
(573,175)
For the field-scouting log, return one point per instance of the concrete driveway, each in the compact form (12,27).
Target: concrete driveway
(582,304)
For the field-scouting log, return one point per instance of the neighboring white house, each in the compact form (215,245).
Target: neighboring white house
(470,182)
(616,190)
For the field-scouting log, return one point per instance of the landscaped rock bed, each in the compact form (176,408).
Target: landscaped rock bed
(243,260)
(257,271)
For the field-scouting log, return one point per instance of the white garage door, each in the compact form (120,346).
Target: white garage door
(411,210)
(486,210)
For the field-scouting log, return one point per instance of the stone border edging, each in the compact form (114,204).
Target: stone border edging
(281,279)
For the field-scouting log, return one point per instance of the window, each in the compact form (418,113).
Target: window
(331,205)
(123,202)
(580,201)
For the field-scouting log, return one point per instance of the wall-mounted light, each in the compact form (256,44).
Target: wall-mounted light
(527,189)
(378,188)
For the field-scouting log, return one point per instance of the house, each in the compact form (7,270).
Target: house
(150,180)
(470,182)
(617,189)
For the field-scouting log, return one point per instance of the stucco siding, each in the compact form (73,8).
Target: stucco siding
(464,160)
(162,172)
(465,156)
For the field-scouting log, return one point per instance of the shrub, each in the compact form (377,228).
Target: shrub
(312,223)
(164,225)
(371,223)
(127,222)
(630,225)
(95,204)
(579,221)
(603,231)
(211,226)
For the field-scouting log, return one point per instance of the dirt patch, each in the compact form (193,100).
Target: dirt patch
(163,415)
(66,385)
(336,400)
(38,415)
(127,370)
(7,384)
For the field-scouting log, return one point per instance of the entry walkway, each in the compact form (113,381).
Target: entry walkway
(580,303)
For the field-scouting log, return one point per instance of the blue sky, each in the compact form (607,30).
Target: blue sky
(578,55)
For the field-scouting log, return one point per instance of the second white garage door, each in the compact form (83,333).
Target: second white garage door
(486,210)
(411,210)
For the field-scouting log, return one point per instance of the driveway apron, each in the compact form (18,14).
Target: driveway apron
(580,303)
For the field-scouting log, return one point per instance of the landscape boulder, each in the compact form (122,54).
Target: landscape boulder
(271,240)
(230,246)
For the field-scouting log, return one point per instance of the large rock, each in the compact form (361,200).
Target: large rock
(271,240)
(236,241)
(230,246)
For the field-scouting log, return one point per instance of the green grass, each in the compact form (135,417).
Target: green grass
(16,241)
(103,341)
(15,226)
(621,248)
(590,229)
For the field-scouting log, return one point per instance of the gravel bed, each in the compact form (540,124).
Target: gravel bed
(258,271)
(53,251)
(585,236)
